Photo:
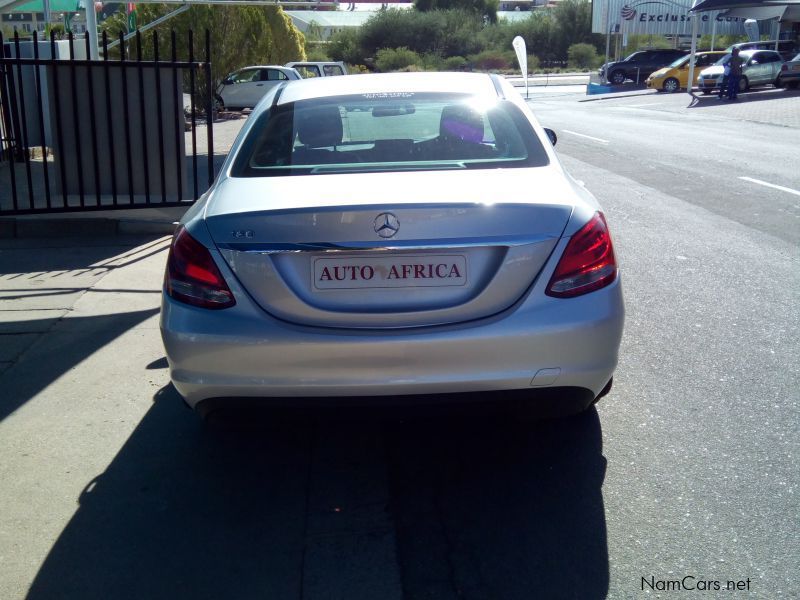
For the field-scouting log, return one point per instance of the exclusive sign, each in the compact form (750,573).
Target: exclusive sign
(659,17)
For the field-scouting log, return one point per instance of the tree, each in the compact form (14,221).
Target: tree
(582,56)
(345,45)
(484,8)
(288,43)
(240,36)
(573,25)
(442,32)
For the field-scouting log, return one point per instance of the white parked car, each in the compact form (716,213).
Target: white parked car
(374,238)
(760,67)
(310,69)
(245,87)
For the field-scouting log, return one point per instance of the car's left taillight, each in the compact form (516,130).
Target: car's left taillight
(193,277)
(588,262)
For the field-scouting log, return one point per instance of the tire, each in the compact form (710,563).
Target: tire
(792,85)
(219,103)
(617,77)
(605,390)
(778,83)
(743,84)
(672,85)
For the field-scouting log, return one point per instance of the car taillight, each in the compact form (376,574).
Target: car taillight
(588,263)
(193,277)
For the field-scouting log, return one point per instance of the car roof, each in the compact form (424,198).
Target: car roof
(281,67)
(313,62)
(749,52)
(476,84)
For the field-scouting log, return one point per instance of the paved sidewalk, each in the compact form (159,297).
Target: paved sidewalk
(761,105)
(113,489)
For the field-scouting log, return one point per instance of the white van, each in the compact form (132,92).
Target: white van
(308,69)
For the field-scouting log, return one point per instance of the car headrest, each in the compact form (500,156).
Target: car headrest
(461,122)
(319,127)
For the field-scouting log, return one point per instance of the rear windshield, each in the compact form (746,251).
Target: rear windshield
(388,132)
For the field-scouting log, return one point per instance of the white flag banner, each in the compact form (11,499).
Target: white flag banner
(522,56)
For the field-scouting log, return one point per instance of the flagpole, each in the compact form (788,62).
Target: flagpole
(91,30)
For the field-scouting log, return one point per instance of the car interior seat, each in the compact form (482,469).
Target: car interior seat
(319,131)
(461,133)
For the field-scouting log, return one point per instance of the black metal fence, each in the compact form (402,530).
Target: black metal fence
(79,134)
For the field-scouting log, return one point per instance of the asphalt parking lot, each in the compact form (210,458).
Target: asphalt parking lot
(762,105)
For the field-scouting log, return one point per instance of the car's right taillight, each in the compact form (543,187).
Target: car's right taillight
(192,275)
(588,262)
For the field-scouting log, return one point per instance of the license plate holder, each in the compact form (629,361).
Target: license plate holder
(389,271)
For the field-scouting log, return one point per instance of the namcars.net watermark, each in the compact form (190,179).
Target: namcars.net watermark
(691,583)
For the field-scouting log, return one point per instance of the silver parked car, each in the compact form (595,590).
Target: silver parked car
(760,67)
(790,73)
(374,238)
(245,87)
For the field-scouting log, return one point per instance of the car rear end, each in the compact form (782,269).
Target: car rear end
(373,266)
(790,73)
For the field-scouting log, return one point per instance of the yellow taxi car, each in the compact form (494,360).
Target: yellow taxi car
(675,77)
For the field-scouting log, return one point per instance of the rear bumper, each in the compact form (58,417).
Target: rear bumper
(243,352)
(544,402)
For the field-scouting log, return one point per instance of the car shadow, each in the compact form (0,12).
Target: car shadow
(498,509)
(482,507)
(754,95)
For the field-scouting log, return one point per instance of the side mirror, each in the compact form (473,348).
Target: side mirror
(552,135)
(227,81)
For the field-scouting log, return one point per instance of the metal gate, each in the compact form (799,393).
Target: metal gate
(115,133)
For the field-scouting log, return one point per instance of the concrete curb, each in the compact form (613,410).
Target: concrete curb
(613,95)
(51,227)
(152,220)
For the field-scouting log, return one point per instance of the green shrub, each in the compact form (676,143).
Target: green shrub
(345,45)
(645,42)
(443,32)
(721,42)
(357,69)
(493,60)
(455,63)
(583,56)
(395,59)
(316,53)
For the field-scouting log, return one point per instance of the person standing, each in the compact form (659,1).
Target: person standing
(735,76)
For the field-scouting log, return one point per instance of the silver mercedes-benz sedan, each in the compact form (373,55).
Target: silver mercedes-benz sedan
(380,238)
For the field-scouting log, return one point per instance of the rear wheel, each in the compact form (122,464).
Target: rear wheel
(743,84)
(617,77)
(671,85)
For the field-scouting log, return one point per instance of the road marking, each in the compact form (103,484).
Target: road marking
(588,137)
(771,185)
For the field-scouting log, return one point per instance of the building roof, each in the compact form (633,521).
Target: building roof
(37,6)
(341,18)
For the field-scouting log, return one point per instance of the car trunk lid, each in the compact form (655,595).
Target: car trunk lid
(338,258)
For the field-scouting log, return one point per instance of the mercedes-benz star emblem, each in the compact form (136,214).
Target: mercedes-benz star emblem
(386,225)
